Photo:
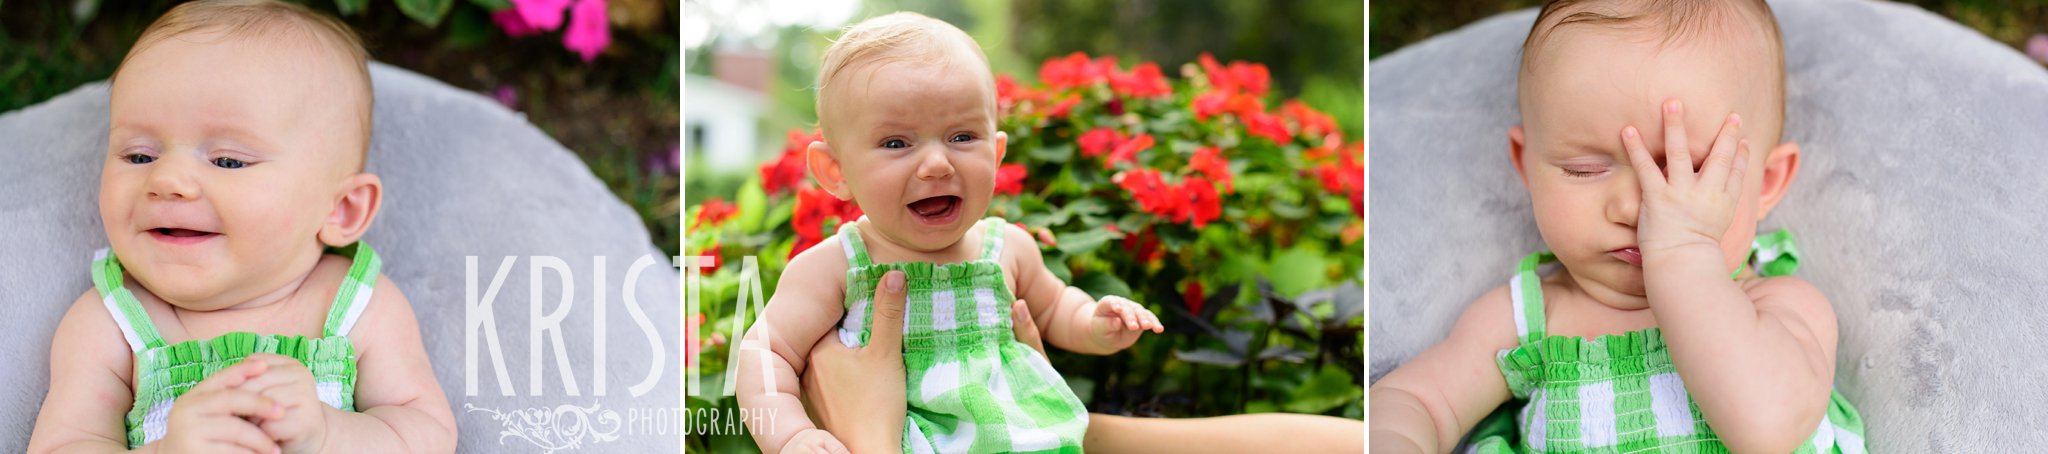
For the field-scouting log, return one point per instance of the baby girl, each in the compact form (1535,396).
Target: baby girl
(1670,326)
(908,109)
(236,310)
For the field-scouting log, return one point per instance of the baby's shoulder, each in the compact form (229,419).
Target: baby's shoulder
(89,334)
(1488,321)
(822,267)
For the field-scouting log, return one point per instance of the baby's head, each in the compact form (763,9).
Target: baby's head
(235,150)
(908,108)
(1589,68)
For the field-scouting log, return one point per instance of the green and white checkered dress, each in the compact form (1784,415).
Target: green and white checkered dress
(164,371)
(971,386)
(1621,393)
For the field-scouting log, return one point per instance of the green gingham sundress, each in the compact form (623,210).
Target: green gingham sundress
(164,371)
(1620,393)
(971,386)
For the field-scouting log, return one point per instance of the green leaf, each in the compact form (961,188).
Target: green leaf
(492,5)
(1297,269)
(351,7)
(426,12)
(1100,284)
(1330,388)
(1057,154)
(1086,241)
(751,203)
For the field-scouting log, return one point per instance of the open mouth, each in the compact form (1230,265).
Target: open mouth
(936,210)
(181,236)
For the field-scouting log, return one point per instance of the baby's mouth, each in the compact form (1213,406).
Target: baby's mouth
(936,210)
(181,236)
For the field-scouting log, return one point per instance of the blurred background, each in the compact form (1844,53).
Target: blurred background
(1203,157)
(2022,24)
(599,76)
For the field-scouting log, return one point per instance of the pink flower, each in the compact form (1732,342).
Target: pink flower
(513,24)
(2037,47)
(589,29)
(540,14)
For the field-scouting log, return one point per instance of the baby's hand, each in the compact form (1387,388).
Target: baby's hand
(1118,322)
(302,427)
(1687,208)
(215,415)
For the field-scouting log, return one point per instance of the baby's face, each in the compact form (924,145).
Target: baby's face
(917,145)
(225,155)
(1591,83)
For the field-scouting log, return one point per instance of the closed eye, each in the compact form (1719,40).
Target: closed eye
(1583,172)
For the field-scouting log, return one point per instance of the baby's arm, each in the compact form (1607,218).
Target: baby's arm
(1067,315)
(89,394)
(805,308)
(401,403)
(1429,403)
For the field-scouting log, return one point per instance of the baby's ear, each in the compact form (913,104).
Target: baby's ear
(1002,145)
(1779,167)
(361,197)
(1516,143)
(825,169)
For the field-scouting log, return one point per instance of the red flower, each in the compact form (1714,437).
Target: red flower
(787,170)
(1209,161)
(1194,296)
(1010,179)
(1210,103)
(713,212)
(1313,123)
(1075,70)
(1347,178)
(813,207)
(1066,106)
(1097,141)
(1268,126)
(692,342)
(1008,93)
(1153,194)
(716,252)
(1143,246)
(1128,151)
(1203,204)
(1144,81)
(1250,78)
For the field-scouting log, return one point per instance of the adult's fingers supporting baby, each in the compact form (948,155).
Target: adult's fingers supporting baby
(1026,328)
(887,331)
(1677,155)
(1639,159)
(1721,154)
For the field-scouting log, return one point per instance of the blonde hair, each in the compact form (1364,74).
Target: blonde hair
(1677,19)
(901,36)
(268,19)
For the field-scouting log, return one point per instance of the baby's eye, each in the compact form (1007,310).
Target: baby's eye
(138,158)
(963,137)
(1585,172)
(228,163)
(895,143)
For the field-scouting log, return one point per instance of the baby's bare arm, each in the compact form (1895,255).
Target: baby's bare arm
(402,408)
(89,392)
(805,308)
(1429,403)
(1061,311)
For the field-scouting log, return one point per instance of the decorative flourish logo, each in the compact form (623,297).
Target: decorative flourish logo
(559,429)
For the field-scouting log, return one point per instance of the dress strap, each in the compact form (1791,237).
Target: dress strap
(1526,288)
(1775,254)
(992,239)
(849,239)
(354,294)
(136,328)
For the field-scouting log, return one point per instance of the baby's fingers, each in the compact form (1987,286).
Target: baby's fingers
(1721,156)
(1740,167)
(1639,158)
(242,435)
(232,376)
(1677,156)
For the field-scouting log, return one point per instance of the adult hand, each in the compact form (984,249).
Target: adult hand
(857,393)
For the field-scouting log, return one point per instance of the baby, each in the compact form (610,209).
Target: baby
(236,311)
(908,109)
(1643,340)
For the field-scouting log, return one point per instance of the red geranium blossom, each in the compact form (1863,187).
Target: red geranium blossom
(1194,296)
(787,171)
(1100,140)
(1239,76)
(1075,70)
(1128,150)
(1144,81)
(713,212)
(1152,193)
(1313,123)
(1209,161)
(1064,108)
(1203,204)
(1142,246)
(1268,126)
(813,207)
(1010,179)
